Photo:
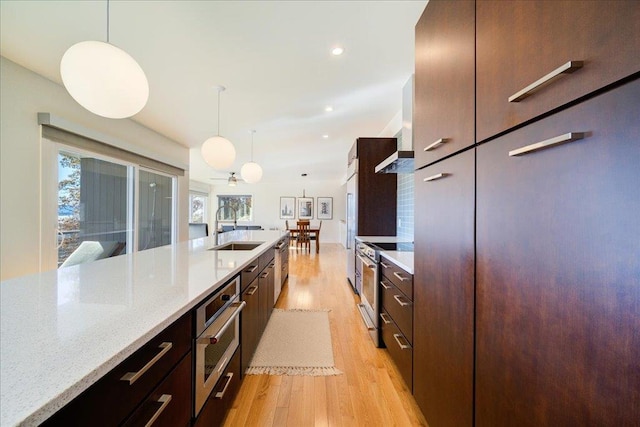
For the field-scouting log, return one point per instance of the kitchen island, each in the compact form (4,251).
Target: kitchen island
(62,330)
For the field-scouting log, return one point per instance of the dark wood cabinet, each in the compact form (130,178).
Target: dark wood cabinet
(520,42)
(170,403)
(444,290)
(398,347)
(375,203)
(250,319)
(558,268)
(112,399)
(444,111)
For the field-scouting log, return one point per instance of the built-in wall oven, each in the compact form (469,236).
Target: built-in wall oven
(217,334)
(367,275)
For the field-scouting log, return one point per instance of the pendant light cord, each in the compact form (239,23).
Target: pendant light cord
(107,21)
(252,132)
(219,111)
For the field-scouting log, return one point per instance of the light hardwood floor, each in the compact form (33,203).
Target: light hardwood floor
(370,392)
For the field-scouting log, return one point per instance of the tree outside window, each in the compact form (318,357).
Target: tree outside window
(242,204)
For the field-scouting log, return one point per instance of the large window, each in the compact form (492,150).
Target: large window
(240,206)
(198,207)
(97,209)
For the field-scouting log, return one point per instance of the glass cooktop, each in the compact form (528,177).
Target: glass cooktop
(399,246)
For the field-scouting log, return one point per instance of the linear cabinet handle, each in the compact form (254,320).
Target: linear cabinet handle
(264,275)
(400,276)
(385,318)
(220,394)
(436,144)
(132,377)
(164,400)
(398,298)
(252,290)
(384,265)
(402,346)
(385,284)
(567,137)
(251,269)
(567,68)
(435,177)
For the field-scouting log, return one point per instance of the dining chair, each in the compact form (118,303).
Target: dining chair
(313,236)
(303,238)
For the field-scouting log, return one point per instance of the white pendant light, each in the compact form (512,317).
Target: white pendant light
(104,79)
(251,172)
(217,151)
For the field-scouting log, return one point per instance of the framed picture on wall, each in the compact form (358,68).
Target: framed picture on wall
(305,207)
(287,207)
(325,208)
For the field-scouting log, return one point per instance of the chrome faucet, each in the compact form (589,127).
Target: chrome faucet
(215,228)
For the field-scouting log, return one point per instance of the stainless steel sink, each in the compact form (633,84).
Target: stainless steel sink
(237,246)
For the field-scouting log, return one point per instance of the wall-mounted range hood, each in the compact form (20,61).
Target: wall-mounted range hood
(402,160)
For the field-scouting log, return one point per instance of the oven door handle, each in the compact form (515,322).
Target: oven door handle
(213,339)
(367,262)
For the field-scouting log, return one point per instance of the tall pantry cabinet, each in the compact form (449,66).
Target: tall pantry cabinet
(541,294)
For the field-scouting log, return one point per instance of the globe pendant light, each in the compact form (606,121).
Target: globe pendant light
(218,151)
(104,79)
(251,172)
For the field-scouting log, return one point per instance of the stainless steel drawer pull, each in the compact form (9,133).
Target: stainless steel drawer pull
(264,275)
(436,144)
(567,137)
(398,298)
(385,318)
(251,269)
(252,290)
(164,400)
(384,265)
(402,346)
(567,68)
(385,284)
(132,377)
(220,394)
(435,177)
(400,276)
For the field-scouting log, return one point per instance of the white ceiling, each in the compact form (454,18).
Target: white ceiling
(272,56)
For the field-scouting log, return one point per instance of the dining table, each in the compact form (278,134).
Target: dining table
(314,231)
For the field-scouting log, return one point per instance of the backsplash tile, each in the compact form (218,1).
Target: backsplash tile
(404,223)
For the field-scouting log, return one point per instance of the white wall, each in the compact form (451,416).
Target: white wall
(266,202)
(22,95)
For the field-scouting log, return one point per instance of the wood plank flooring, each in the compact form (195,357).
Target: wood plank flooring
(369,393)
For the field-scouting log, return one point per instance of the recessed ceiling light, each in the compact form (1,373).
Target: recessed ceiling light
(328,108)
(304,174)
(337,51)
(325,136)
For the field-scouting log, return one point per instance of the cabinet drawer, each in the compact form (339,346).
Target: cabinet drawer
(215,409)
(110,400)
(604,35)
(266,258)
(398,276)
(170,403)
(249,273)
(399,348)
(398,306)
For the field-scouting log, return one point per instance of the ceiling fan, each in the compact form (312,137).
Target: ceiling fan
(232,180)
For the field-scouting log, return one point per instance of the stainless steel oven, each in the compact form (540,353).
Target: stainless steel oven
(217,338)
(367,267)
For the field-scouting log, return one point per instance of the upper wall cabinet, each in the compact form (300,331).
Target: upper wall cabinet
(444,84)
(535,56)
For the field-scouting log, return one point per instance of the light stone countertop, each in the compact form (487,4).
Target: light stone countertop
(62,330)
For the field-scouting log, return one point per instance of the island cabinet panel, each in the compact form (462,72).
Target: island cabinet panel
(250,319)
(445,80)
(558,267)
(111,400)
(520,42)
(169,405)
(443,336)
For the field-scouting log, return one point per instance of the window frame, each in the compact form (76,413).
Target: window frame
(205,205)
(218,205)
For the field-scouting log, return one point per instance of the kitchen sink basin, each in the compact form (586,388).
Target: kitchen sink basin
(237,246)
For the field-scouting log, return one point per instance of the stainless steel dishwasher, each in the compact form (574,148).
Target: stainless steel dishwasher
(281,260)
